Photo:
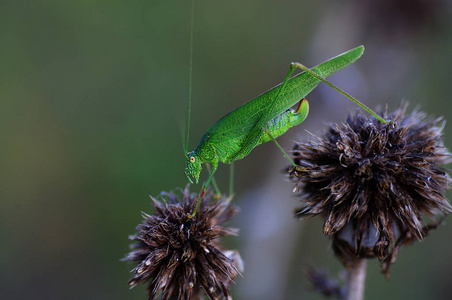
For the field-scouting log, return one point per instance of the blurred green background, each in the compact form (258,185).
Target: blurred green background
(94,102)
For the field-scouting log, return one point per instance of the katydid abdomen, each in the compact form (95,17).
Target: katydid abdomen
(237,133)
(288,119)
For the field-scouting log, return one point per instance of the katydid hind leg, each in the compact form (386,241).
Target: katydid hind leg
(347,95)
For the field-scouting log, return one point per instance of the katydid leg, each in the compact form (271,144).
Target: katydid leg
(211,178)
(205,186)
(279,146)
(231,179)
(347,95)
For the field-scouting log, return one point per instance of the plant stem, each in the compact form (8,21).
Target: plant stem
(354,289)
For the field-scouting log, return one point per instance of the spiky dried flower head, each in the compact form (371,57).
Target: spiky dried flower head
(375,182)
(179,257)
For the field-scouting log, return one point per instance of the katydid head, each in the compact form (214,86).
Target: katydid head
(193,166)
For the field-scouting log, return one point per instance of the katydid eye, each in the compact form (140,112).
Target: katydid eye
(192,159)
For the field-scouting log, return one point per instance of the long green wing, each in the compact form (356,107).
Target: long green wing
(241,127)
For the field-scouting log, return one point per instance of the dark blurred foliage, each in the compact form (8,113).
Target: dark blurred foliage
(93,105)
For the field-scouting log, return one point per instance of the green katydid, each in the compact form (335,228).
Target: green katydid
(265,117)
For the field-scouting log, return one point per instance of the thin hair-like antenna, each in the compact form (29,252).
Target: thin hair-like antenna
(190,72)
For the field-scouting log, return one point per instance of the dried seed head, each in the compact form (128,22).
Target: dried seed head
(178,256)
(374,183)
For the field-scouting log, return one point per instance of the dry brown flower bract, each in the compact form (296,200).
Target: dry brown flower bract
(375,182)
(179,257)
